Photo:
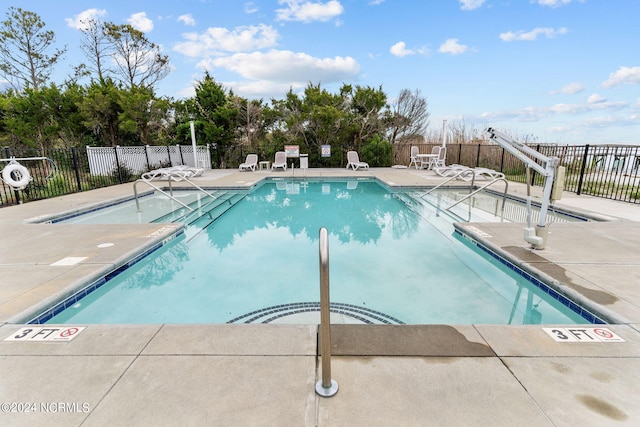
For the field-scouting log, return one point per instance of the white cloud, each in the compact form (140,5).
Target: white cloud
(453,47)
(187,19)
(596,99)
(611,121)
(288,67)
(376,2)
(624,75)
(532,114)
(216,40)
(570,89)
(400,49)
(533,34)
(307,11)
(140,22)
(80,20)
(264,88)
(553,3)
(250,8)
(470,4)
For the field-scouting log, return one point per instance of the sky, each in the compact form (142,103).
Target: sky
(549,71)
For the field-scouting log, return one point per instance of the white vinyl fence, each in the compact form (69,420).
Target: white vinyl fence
(107,160)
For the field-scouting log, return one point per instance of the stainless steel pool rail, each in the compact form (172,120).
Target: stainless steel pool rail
(471,186)
(326,387)
(182,178)
(135,193)
(490,183)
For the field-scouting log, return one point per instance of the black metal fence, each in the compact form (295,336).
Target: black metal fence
(609,171)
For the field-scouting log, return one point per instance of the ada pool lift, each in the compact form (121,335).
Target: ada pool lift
(553,183)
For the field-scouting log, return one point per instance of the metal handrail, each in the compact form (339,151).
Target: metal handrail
(456,176)
(135,193)
(504,196)
(181,178)
(326,387)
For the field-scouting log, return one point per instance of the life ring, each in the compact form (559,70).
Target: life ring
(20,171)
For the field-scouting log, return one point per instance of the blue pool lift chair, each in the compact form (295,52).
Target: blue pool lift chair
(353,160)
(250,163)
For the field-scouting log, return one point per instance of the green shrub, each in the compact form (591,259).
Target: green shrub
(376,152)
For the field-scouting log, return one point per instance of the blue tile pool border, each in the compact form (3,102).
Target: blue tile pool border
(86,290)
(573,306)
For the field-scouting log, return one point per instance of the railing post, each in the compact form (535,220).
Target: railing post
(118,169)
(582,168)
(76,167)
(326,387)
(16,193)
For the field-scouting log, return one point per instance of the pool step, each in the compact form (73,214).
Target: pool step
(214,210)
(206,217)
(428,207)
(199,207)
(480,207)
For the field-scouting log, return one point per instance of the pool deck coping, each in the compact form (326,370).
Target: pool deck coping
(264,374)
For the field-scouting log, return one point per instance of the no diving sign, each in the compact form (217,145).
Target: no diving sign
(37,334)
(597,334)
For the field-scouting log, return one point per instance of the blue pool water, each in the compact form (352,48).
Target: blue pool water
(255,258)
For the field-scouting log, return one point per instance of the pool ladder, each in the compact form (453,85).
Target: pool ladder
(326,387)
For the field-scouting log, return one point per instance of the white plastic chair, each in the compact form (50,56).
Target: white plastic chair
(250,162)
(353,160)
(413,157)
(280,161)
(442,157)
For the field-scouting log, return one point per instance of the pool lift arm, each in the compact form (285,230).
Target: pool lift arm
(537,236)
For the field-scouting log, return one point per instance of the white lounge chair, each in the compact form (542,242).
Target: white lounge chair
(174,173)
(466,173)
(451,170)
(192,171)
(353,160)
(280,161)
(250,163)
(487,173)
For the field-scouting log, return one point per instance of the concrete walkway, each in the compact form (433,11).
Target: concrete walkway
(247,375)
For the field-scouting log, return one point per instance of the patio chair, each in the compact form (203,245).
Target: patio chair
(280,161)
(442,157)
(250,163)
(353,160)
(431,160)
(413,157)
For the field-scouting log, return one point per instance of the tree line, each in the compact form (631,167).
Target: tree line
(111,99)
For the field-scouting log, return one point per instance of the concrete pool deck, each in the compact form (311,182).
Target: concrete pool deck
(265,374)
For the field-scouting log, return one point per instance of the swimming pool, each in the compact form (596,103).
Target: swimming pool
(253,257)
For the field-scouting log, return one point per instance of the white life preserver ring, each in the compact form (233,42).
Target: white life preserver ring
(20,171)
